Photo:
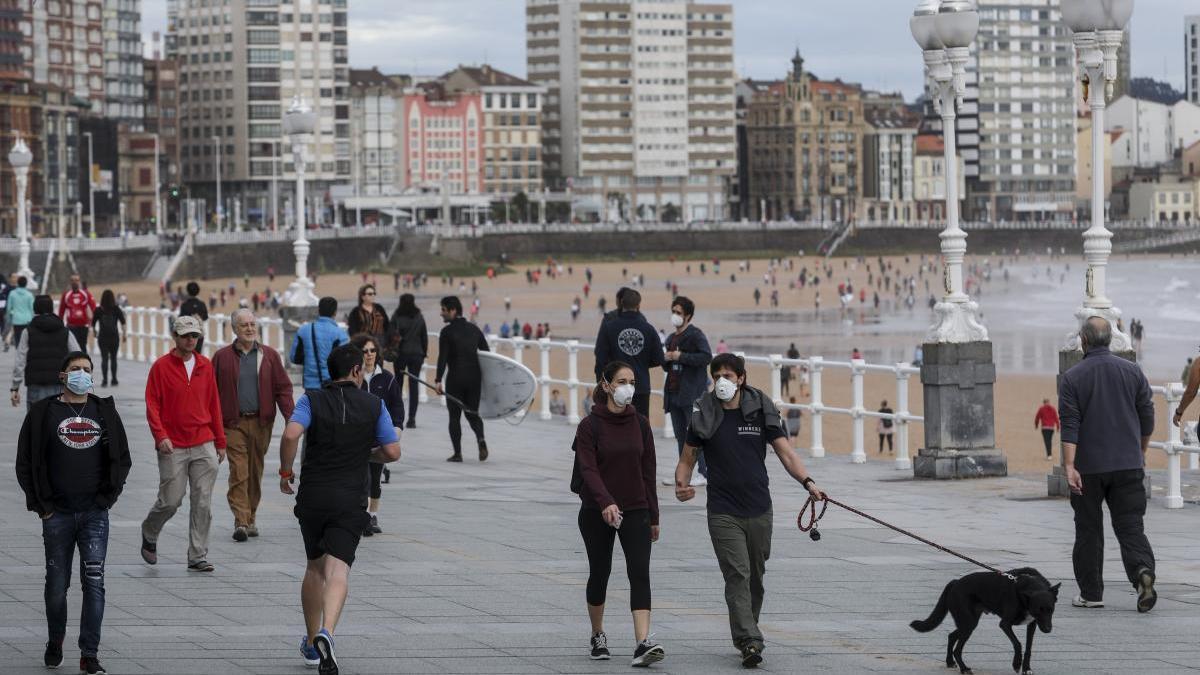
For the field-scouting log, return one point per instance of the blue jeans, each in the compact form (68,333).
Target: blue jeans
(679,423)
(62,533)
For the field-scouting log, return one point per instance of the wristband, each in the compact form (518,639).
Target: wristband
(804,483)
(286,473)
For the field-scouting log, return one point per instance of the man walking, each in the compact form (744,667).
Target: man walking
(1046,419)
(1107,418)
(184,413)
(686,361)
(732,426)
(344,428)
(20,309)
(314,342)
(72,461)
(40,353)
(628,337)
(459,345)
(251,383)
(75,308)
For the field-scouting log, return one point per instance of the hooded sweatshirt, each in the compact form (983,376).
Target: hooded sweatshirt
(621,470)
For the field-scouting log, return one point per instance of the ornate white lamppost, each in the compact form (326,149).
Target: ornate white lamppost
(299,123)
(21,158)
(945,30)
(1099,27)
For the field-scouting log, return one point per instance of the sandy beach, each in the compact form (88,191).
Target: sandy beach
(727,309)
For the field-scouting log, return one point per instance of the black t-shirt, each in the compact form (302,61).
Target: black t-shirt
(887,423)
(737,471)
(75,460)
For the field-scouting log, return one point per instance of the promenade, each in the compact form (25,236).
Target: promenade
(481,570)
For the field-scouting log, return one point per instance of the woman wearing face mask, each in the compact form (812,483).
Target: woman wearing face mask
(615,449)
(382,384)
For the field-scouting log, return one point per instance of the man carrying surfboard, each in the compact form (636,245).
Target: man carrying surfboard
(458,347)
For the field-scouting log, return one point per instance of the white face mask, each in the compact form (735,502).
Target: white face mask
(676,320)
(725,389)
(623,394)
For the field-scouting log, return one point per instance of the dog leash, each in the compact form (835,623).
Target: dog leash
(810,507)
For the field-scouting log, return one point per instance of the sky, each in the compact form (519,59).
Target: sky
(429,37)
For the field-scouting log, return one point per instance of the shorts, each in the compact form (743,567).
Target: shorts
(331,532)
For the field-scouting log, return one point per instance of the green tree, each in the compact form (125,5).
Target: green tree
(670,213)
(520,207)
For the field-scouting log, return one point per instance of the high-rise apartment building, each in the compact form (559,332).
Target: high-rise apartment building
(241,63)
(376,132)
(124,93)
(1016,130)
(639,117)
(65,49)
(443,138)
(161,77)
(1191,58)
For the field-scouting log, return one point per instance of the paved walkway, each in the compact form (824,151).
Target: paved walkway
(481,570)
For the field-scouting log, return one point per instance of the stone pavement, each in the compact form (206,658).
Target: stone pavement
(481,570)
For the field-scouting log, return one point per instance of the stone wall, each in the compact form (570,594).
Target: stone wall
(98,267)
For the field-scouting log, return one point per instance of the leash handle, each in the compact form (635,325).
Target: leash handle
(811,507)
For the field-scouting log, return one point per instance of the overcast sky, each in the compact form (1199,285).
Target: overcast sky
(428,37)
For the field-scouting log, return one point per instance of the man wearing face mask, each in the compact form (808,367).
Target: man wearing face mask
(72,462)
(733,425)
(628,337)
(459,345)
(345,428)
(687,355)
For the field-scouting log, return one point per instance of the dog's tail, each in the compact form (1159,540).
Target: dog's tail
(939,613)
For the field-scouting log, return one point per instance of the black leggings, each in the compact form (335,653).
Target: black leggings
(470,396)
(598,539)
(108,360)
(889,442)
(376,473)
(1048,438)
(410,363)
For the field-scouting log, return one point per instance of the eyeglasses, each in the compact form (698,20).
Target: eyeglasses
(369,293)
(370,351)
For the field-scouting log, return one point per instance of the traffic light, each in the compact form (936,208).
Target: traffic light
(174,192)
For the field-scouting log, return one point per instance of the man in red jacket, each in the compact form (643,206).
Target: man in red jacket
(76,308)
(1046,419)
(251,383)
(184,413)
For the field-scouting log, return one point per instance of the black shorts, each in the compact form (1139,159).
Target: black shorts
(331,532)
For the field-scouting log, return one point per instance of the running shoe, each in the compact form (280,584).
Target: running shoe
(323,643)
(600,647)
(312,658)
(240,534)
(751,656)
(374,526)
(54,656)
(91,666)
(647,654)
(252,530)
(1145,589)
(483,451)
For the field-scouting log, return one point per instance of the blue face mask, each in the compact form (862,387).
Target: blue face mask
(79,382)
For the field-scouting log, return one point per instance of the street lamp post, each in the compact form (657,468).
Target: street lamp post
(21,158)
(217,143)
(957,374)
(299,123)
(945,32)
(91,191)
(1098,28)
(158,224)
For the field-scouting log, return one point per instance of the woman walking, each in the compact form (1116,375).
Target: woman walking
(408,338)
(615,450)
(368,317)
(108,321)
(382,384)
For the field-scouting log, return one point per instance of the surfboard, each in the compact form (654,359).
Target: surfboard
(508,387)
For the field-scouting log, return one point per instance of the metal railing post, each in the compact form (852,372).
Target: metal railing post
(1174,498)
(903,462)
(518,349)
(573,381)
(544,345)
(859,454)
(818,447)
(776,378)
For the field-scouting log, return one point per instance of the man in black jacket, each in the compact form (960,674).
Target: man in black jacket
(459,345)
(72,461)
(1107,414)
(194,306)
(687,356)
(628,337)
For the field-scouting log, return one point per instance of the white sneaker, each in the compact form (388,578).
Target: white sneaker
(1080,602)
(699,480)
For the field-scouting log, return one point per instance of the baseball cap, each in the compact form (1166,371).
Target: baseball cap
(188,325)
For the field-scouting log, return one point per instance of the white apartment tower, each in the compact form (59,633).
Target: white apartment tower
(1191,58)
(124,89)
(639,118)
(240,64)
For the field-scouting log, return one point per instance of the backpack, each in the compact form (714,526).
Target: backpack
(576,475)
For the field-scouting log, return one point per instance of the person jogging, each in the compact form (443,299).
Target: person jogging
(344,428)
(732,425)
(615,449)
(458,347)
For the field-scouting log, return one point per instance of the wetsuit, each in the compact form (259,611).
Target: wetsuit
(457,350)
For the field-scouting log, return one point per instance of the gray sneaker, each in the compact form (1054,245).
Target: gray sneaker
(1145,589)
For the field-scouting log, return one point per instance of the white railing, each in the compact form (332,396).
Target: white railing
(1174,446)
(261,236)
(149,334)
(44,244)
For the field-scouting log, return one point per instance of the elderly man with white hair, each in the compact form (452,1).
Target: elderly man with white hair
(252,384)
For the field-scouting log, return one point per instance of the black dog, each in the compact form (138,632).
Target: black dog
(1028,600)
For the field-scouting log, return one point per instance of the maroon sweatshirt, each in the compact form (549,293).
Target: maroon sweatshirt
(622,470)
